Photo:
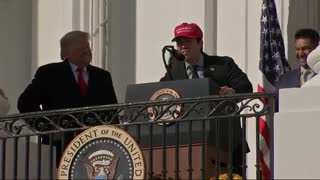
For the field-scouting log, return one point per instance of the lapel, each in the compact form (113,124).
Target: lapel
(68,73)
(209,66)
(91,79)
(69,78)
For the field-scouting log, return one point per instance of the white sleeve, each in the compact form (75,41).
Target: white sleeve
(313,60)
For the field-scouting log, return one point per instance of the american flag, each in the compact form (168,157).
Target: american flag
(272,65)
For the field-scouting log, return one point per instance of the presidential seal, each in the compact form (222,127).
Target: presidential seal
(102,152)
(165,112)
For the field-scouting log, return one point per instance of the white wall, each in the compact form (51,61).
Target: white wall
(51,20)
(122,43)
(156,21)
(296,145)
(296,131)
(15,47)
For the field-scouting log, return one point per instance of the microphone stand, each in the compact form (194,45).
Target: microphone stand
(167,66)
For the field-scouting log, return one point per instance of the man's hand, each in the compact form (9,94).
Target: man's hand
(225,90)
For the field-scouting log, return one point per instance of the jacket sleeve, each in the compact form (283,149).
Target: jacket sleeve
(112,95)
(165,77)
(237,79)
(285,81)
(32,97)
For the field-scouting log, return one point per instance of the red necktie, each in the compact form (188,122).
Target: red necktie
(81,82)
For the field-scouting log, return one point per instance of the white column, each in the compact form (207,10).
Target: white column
(51,20)
(121,44)
(15,48)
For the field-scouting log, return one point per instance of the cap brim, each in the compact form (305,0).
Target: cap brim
(175,38)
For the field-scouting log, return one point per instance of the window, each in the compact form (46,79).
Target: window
(92,16)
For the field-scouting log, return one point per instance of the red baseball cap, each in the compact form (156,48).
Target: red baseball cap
(187,30)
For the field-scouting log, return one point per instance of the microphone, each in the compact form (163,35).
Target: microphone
(174,53)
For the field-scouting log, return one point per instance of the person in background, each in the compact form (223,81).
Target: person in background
(4,103)
(306,40)
(221,69)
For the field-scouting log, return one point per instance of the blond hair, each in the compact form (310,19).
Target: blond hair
(70,39)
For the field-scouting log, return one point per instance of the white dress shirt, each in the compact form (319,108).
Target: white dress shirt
(76,73)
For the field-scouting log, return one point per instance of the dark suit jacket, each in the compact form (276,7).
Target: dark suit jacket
(222,70)
(290,79)
(55,87)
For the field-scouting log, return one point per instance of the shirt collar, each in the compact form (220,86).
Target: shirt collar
(302,69)
(200,62)
(75,67)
